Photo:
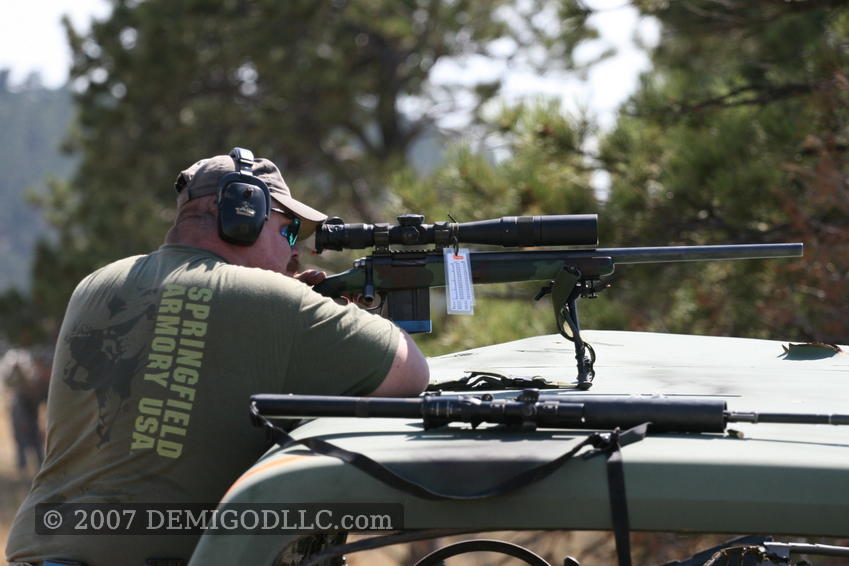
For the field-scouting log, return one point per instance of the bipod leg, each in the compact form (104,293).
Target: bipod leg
(584,354)
(565,291)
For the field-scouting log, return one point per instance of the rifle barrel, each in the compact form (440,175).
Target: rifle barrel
(787,418)
(701,253)
(313,406)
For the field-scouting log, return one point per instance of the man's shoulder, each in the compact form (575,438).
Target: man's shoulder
(259,283)
(111,270)
(206,264)
(184,265)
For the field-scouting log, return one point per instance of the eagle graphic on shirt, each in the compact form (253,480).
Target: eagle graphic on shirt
(106,357)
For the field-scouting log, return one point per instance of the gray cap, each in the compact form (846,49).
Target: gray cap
(201,179)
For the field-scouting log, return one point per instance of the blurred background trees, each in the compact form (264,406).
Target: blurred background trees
(34,122)
(738,133)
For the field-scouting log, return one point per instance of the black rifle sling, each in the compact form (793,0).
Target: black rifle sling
(616,489)
(604,444)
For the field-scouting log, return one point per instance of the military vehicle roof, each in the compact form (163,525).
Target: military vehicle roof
(776,478)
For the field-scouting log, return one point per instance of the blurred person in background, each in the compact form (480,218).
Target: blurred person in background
(25,379)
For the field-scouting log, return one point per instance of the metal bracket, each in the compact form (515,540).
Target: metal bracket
(381,238)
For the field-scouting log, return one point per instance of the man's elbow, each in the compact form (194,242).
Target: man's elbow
(418,377)
(409,374)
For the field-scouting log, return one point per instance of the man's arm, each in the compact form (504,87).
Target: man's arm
(409,373)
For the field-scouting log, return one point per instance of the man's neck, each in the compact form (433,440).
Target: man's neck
(204,242)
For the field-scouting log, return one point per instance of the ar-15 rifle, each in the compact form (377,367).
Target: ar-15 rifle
(402,278)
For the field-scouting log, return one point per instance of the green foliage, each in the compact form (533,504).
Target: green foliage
(496,320)
(21,321)
(504,313)
(738,134)
(543,172)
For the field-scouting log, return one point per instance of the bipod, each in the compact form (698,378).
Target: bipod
(565,290)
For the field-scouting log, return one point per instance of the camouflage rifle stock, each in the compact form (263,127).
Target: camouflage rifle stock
(401,279)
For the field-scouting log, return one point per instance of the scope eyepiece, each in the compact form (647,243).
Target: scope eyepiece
(508,231)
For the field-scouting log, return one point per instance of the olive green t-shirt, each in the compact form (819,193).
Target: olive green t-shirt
(155,362)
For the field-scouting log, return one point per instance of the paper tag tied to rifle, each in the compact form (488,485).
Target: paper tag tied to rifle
(459,293)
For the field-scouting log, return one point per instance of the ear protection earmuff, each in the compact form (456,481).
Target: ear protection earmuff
(244,201)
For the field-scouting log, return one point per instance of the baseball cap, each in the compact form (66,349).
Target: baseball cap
(201,179)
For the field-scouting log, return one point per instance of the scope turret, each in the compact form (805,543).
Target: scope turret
(508,231)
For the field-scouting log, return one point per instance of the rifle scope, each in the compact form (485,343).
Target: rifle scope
(507,231)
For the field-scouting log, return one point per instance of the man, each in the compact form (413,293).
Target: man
(158,354)
(21,376)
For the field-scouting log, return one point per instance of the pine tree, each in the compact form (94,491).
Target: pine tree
(738,134)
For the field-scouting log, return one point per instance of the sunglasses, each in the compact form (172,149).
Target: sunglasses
(289,231)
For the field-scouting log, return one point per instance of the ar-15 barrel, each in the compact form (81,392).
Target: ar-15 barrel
(530,410)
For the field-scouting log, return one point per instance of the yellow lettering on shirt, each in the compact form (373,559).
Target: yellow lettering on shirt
(160,378)
(199,312)
(177,351)
(200,294)
(142,441)
(147,425)
(167,325)
(172,290)
(159,361)
(194,328)
(185,375)
(168,449)
(148,406)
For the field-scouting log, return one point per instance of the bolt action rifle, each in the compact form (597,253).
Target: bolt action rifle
(402,278)
(531,410)
(629,419)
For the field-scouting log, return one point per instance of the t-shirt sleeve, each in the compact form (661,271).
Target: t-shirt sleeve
(339,350)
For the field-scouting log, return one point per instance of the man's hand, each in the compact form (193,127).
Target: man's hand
(311,276)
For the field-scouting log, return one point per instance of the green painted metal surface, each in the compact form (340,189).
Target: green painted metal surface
(777,479)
